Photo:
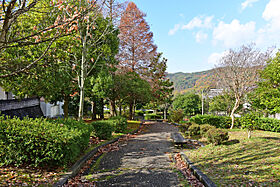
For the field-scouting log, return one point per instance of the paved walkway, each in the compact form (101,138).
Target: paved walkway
(141,161)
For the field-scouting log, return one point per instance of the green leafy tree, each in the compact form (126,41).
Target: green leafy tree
(162,87)
(190,103)
(267,96)
(222,103)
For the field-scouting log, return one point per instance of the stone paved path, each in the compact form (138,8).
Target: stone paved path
(141,161)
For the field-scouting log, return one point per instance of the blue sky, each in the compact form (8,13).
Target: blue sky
(194,34)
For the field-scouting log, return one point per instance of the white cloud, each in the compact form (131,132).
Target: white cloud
(214,58)
(234,34)
(199,22)
(200,36)
(270,32)
(174,30)
(271,11)
(248,3)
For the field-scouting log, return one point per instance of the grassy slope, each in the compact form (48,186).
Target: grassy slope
(255,161)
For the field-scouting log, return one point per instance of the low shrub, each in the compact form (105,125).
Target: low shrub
(217,121)
(250,121)
(217,136)
(194,130)
(139,113)
(269,124)
(204,128)
(176,115)
(184,127)
(152,116)
(119,123)
(39,142)
(253,121)
(103,129)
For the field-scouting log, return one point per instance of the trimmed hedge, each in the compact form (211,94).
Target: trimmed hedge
(217,121)
(269,124)
(152,116)
(39,142)
(119,123)
(103,129)
(252,121)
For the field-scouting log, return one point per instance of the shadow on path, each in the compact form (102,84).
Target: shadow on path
(141,161)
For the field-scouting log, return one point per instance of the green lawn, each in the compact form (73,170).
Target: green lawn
(250,162)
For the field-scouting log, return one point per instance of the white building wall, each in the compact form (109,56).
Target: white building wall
(2,94)
(52,110)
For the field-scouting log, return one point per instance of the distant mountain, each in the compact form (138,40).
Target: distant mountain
(184,82)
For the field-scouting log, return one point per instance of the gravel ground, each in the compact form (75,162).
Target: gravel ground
(141,161)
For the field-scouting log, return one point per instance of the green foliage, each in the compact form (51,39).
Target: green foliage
(139,113)
(253,121)
(184,126)
(103,129)
(39,142)
(194,130)
(120,123)
(267,96)
(152,116)
(204,128)
(190,103)
(217,121)
(250,121)
(176,115)
(222,103)
(216,136)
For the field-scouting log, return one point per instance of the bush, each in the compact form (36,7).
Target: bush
(253,121)
(103,129)
(204,128)
(217,121)
(194,129)
(39,142)
(152,116)
(250,121)
(176,115)
(184,127)
(269,124)
(139,113)
(119,123)
(217,136)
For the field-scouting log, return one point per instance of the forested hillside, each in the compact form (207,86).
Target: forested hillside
(191,81)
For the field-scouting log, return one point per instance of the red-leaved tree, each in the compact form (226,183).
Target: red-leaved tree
(136,41)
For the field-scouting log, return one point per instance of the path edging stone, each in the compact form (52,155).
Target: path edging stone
(201,176)
(74,170)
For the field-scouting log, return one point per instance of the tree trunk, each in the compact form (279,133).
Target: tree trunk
(120,109)
(165,112)
(102,108)
(66,106)
(82,80)
(236,105)
(130,111)
(93,110)
(249,133)
(113,108)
